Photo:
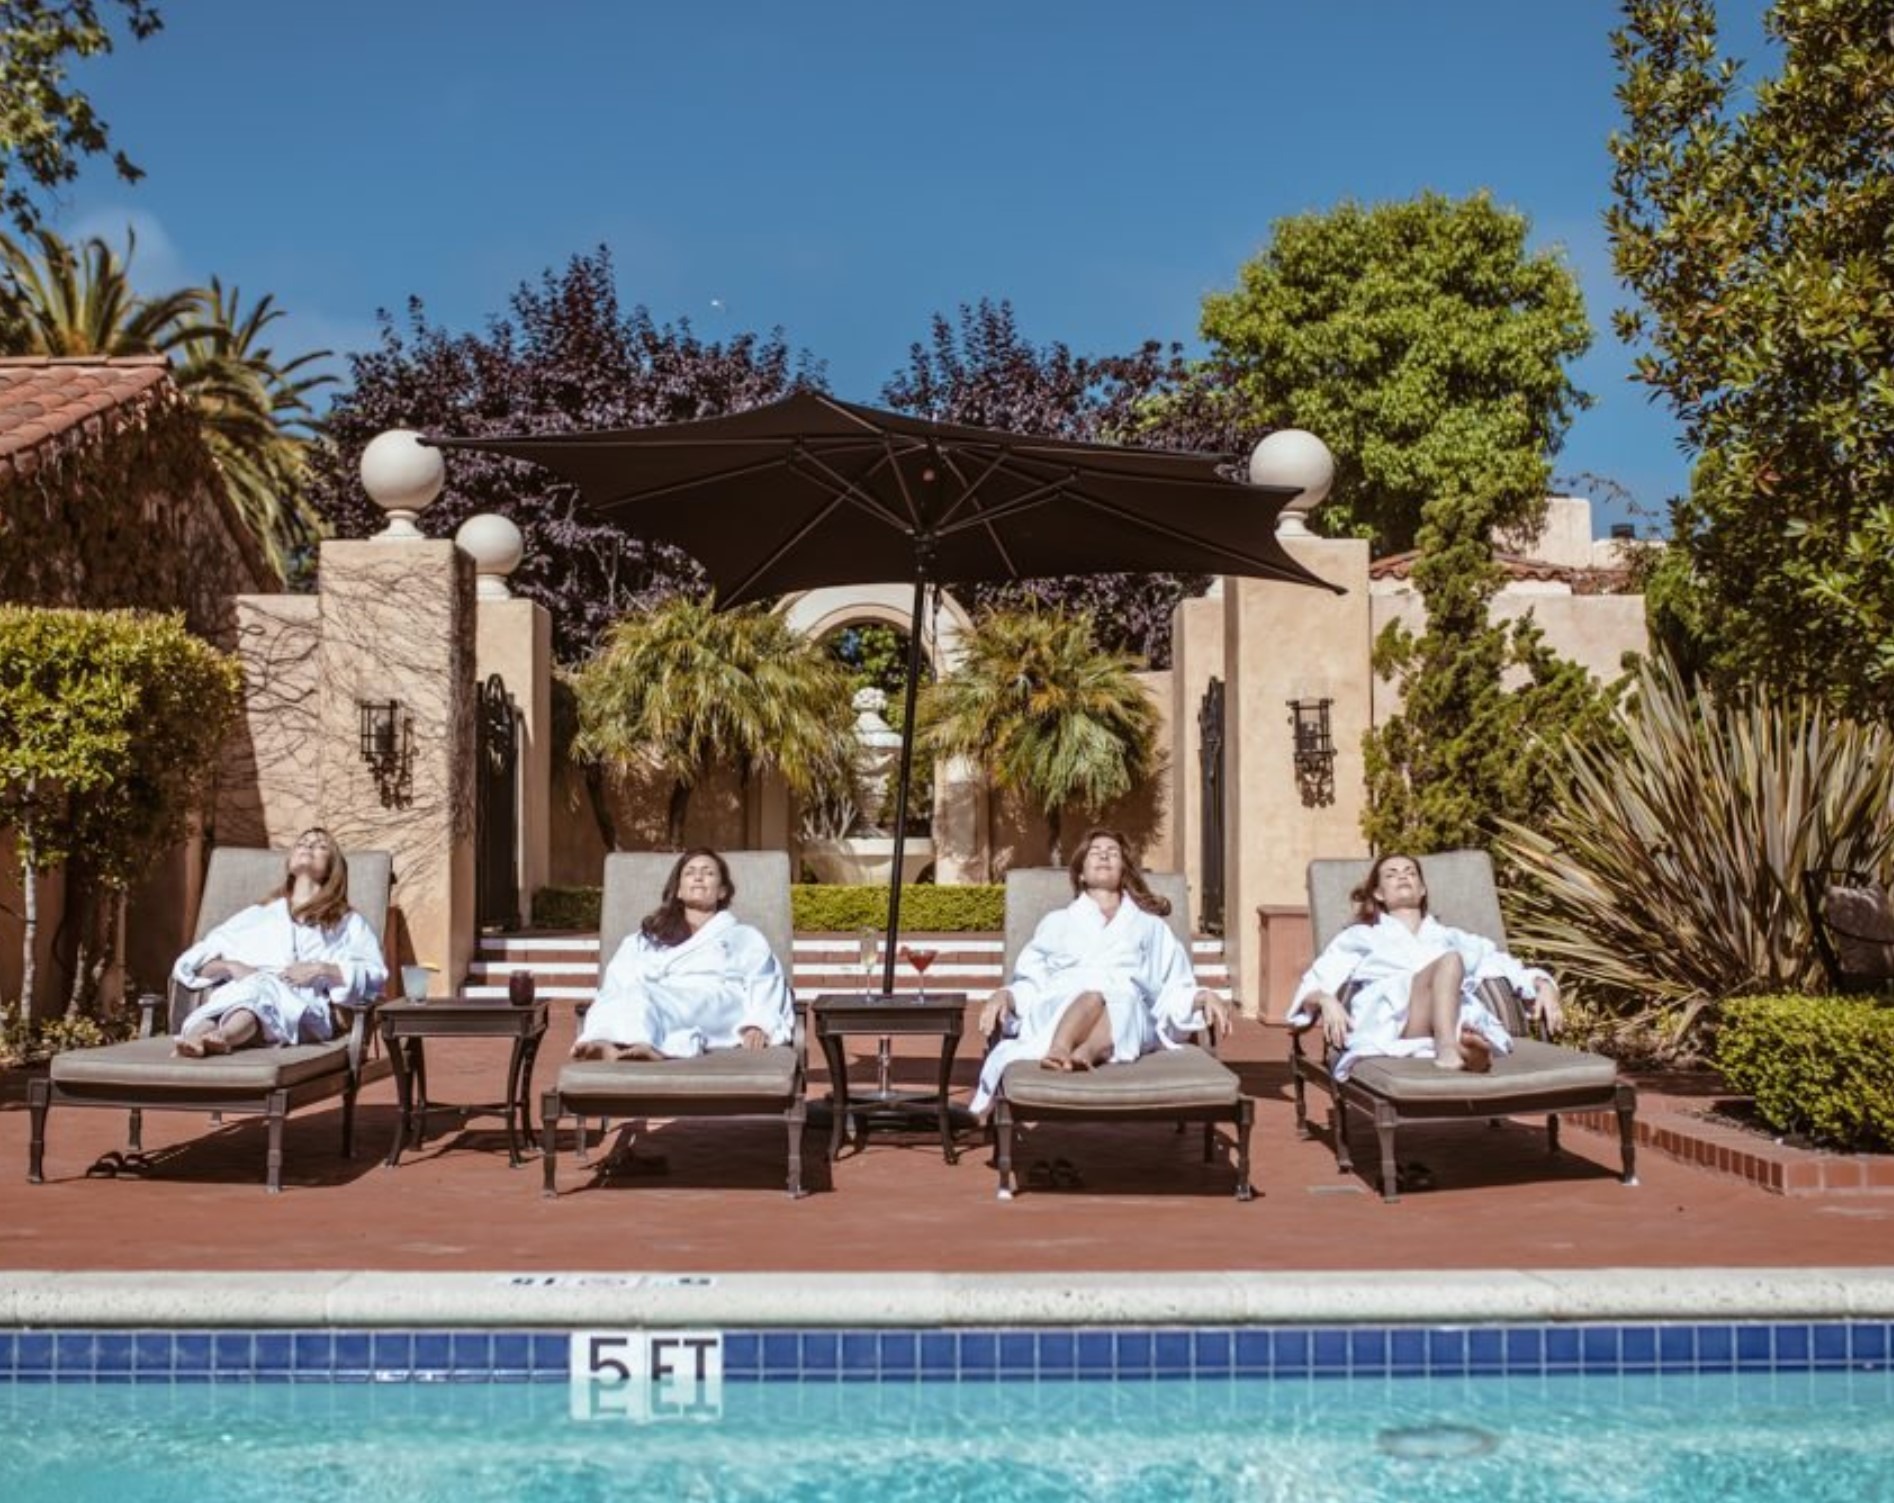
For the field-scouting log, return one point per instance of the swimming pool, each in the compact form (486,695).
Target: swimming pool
(1748,1411)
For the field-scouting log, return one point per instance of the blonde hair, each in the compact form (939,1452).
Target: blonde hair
(330,901)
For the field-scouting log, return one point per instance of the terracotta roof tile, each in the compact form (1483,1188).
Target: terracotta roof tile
(1583,581)
(43,398)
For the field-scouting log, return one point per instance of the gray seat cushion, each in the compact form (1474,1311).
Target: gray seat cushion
(764,1073)
(1532,1067)
(150,1065)
(1169,1079)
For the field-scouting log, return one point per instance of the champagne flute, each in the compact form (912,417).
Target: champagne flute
(870,943)
(920,957)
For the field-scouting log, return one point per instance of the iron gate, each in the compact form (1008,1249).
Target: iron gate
(496,807)
(1211,772)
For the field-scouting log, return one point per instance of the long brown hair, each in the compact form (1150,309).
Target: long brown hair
(1368,909)
(1135,886)
(330,902)
(666,924)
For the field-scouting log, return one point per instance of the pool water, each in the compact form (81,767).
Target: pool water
(1741,1437)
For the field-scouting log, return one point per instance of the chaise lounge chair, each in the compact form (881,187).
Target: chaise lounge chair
(143,1074)
(1538,1076)
(721,1083)
(1171,1085)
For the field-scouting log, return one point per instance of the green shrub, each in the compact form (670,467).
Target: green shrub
(1823,1066)
(567,908)
(947,910)
(832,907)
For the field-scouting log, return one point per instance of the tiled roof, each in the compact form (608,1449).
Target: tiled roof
(44,400)
(1582,581)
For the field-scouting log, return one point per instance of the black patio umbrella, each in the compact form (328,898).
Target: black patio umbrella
(810,491)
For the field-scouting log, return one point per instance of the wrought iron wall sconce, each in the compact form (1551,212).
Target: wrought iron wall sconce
(387,746)
(1314,751)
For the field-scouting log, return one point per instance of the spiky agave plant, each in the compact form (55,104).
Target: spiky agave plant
(1669,875)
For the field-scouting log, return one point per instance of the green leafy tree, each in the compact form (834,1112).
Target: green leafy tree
(110,723)
(63,300)
(1753,223)
(47,128)
(1049,714)
(1428,347)
(684,688)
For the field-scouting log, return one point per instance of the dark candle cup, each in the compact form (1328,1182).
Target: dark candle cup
(519,988)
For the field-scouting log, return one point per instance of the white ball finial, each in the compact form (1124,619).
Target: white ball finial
(402,476)
(497,547)
(1294,457)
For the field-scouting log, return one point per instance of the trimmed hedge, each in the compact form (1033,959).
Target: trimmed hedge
(820,906)
(1823,1066)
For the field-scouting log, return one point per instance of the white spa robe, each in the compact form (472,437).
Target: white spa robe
(1383,958)
(267,937)
(1134,962)
(687,998)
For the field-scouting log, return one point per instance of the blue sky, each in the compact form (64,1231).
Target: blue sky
(844,169)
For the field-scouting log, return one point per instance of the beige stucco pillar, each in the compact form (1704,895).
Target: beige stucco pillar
(1284,642)
(513,638)
(398,625)
(1196,658)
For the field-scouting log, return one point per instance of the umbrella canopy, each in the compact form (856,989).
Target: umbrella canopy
(810,491)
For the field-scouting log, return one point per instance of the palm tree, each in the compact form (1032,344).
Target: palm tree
(255,410)
(684,687)
(1047,712)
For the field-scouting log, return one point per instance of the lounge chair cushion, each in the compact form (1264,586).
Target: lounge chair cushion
(1169,1079)
(1531,1067)
(150,1065)
(764,1073)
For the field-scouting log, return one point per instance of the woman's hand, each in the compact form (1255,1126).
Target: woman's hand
(753,1037)
(1545,1005)
(220,969)
(1216,1013)
(1335,1023)
(310,973)
(999,1007)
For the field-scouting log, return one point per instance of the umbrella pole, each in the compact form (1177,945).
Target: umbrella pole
(907,772)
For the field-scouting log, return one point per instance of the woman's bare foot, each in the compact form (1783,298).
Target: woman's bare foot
(190,1046)
(216,1043)
(1055,1060)
(588,1049)
(637,1051)
(1476,1053)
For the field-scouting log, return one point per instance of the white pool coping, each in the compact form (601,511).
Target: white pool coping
(546,1299)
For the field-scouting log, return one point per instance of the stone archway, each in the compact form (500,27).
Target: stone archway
(960,797)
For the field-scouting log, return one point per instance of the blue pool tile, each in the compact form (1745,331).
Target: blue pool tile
(1830,1345)
(1676,1347)
(1407,1351)
(1170,1352)
(1097,1357)
(1867,1342)
(1638,1347)
(433,1351)
(1289,1353)
(1058,1353)
(939,1354)
(1447,1352)
(821,1350)
(979,1352)
(314,1352)
(1135,1354)
(899,1353)
(1598,1349)
(1525,1350)
(1252,1351)
(742,1353)
(471,1352)
(782,1354)
(74,1353)
(1561,1347)
(355,1350)
(391,1352)
(1486,1350)
(861,1354)
(275,1351)
(1019,1354)
(1754,1347)
(153,1352)
(1211,1352)
(112,1353)
(1792,1346)
(233,1352)
(6,1353)
(33,1353)
(190,1354)
(1716,1348)
(1368,1352)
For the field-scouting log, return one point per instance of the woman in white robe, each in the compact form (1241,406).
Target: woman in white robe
(273,973)
(1415,981)
(691,978)
(1102,980)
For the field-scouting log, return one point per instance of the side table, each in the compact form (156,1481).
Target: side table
(836,1015)
(407,1025)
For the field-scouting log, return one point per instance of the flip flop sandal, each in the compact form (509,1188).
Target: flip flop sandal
(1039,1175)
(1065,1175)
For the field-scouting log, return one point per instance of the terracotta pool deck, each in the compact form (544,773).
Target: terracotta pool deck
(712,1199)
